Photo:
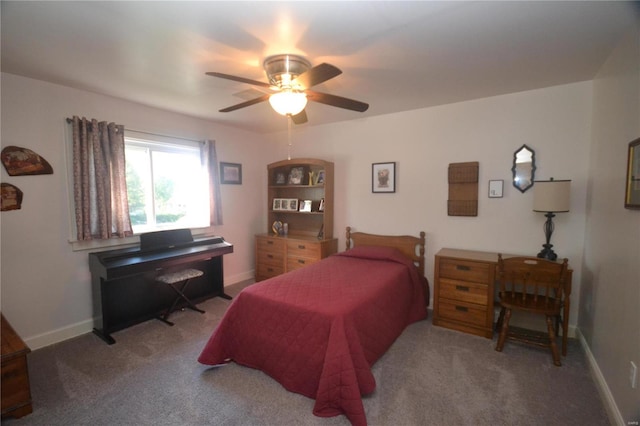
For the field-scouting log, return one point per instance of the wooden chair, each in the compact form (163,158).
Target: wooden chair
(531,285)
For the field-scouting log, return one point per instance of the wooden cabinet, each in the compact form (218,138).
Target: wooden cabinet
(463,292)
(280,187)
(309,238)
(276,255)
(16,391)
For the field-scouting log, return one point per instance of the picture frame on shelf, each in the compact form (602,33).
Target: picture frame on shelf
(321,206)
(293,204)
(281,178)
(320,177)
(296,176)
(496,188)
(305,206)
(632,192)
(231,173)
(383,177)
(277,204)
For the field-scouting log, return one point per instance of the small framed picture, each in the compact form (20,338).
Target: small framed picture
(495,188)
(321,206)
(296,176)
(231,173)
(319,178)
(281,178)
(305,206)
(277,204)
(383,177)
(293,204)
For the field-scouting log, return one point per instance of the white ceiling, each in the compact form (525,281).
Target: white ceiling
(396,56)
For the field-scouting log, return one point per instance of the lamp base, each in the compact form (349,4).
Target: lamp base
(547,252)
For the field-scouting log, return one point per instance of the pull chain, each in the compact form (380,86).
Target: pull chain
(289,136)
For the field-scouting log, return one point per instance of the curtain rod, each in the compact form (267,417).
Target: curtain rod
(70,120)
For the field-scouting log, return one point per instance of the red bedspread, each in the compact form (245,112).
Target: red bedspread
(318,330)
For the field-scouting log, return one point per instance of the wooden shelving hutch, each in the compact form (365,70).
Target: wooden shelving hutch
(304,243)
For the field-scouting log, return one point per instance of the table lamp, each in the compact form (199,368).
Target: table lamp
(550,196)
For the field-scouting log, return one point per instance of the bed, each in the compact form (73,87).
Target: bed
(319,329)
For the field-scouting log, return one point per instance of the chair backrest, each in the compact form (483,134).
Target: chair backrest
(537,277)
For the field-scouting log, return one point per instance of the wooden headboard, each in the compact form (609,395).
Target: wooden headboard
(406,244)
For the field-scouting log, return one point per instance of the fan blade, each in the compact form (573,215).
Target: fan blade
(299,118)
(246,104)
(318,74)
(240,79)
(336,101)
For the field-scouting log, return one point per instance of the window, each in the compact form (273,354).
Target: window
(167,185)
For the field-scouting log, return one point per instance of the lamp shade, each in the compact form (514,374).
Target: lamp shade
(288,102)
(551,195)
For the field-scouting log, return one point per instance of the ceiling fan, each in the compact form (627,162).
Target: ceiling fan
(290,80)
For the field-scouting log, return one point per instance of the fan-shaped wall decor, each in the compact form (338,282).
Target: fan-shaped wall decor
(11,198)
(22,161)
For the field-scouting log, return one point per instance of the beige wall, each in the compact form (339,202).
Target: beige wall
(610,294)
(46,288)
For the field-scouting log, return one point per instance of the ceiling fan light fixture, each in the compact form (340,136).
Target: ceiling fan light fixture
(288,102)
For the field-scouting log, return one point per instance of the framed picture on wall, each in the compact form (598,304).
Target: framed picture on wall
(495,188)
(231,173)
(632,193)
(383,177)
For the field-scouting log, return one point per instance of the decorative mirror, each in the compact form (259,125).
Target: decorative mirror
(524,167)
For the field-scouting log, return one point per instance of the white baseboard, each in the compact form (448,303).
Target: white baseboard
(74,330)
(610,404)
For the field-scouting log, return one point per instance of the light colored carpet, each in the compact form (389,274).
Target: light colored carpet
(430,375)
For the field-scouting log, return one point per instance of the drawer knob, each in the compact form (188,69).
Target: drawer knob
(462,309)
(270,269)
(301,246)
(270,242)
(462,288)
(462,268)
(270,256)
(301,261)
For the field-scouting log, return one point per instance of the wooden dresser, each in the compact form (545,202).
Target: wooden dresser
(276,255)
(16,391)
(464,292)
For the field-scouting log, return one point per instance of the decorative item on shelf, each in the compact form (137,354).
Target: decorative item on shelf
(22,161)
(632,193)
(495,188)
(550,196)
(311,178)
(305,206)
(11,197)
(281,178)
(285,228)
(296,175)
(231,173)
(383,177)
(319,178)
(321,232)
(277,227)
(277,204)
(321,206)
(524,167)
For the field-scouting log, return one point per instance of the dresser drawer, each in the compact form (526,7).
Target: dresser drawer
(299,262)
(273,244)
(463,290)
(464,270)
(270,258)
(464,312)
(303,249)
(267,270)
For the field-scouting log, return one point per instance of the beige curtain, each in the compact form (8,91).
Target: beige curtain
(215,199)
(99,180)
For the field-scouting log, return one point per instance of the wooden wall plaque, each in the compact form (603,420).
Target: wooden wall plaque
(463,189)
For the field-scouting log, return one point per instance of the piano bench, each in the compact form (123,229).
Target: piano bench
(178,281)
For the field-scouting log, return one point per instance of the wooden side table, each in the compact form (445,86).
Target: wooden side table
(16,391)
